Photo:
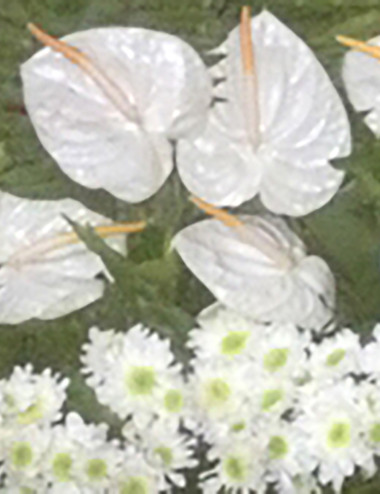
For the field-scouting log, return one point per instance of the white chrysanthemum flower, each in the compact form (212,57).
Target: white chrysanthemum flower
(332,419)
(27,486)
(224,333)
(280,351)
(32,398)
(240,468)
(335,356)
(24,452)
(370,394)
(369,359)
(99,353)
(271,396)
(284,452)
(168,451)
(136,476)
(132,373)
(300,484)
(220,395)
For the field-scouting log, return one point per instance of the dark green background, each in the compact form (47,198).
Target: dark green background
(346,233)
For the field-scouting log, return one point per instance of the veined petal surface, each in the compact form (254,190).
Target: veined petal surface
(92,139)
(259,269)
(39,278)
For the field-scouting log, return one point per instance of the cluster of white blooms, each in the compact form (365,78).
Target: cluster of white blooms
(275,406)
(43,451)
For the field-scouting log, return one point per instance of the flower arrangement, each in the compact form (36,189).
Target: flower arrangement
(262,391)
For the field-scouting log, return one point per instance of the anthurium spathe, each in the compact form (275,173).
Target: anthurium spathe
(280,124)
(45,272)
(361,76)
(257,266)
(106,102)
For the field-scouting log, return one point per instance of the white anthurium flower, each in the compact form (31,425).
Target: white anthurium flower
(105,103)
(361,77)
(45,272)
(281,123)
(259,267)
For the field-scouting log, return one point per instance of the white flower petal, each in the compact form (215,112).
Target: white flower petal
(36,279)
(91,138)
(361,76)
(302,124)
(259,269)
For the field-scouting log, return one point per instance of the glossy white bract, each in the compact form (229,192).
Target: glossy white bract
(36,278)
(97,143)
(259,269)
(301,125)
(361,76)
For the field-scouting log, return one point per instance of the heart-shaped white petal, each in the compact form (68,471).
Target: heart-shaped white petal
(39,278)
(361,76)
(259,269)
(163,89)
(282,124)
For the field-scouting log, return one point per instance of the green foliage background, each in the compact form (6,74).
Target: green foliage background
(152,285)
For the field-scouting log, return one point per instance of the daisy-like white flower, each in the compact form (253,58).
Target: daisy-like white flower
(281,124)
(135,475)
(105,102)
(284,452)
(131,376)
(32,398)
(281,351)
(99,353)
(300,484)
(220,396)
(24,453)
(370,394)
(361,76)
(45,271)
(224,333)
(271,396)
(168,451)
(369,357)
(258,267)
(240,468)
(333,421)
(335,357)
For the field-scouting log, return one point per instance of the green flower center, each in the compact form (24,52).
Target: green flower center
(62,464)
(165,455)
(374,433)
(217,392)
(234,343)
(235,468)
(31,414)
(275,359)
(21,455)
(339,435)
(141,380)
(278,447)
(238,427)
(270,398)
(335,357)
(173,401)
(135,485)
(26,490)
(96,469)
